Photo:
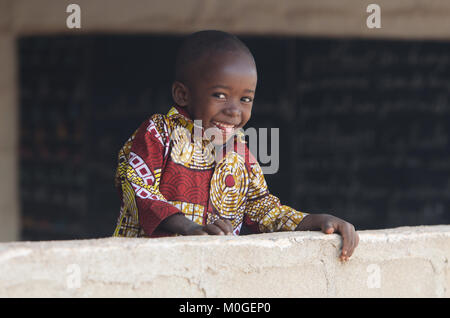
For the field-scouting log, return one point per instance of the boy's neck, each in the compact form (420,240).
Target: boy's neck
(183,111)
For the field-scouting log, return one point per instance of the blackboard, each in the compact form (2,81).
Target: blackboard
(363,125)
(372,129)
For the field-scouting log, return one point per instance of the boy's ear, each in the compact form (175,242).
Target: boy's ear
(180,93)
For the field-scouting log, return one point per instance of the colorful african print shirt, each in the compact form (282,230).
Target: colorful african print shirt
(164,169)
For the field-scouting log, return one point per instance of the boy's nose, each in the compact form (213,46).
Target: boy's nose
(232,111)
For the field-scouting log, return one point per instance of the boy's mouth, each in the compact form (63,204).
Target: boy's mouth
(226,128)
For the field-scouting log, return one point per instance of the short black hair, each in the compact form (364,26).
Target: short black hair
(199,44)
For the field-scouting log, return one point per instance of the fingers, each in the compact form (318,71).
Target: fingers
(225,226)
(350,240)
(220,227)
(328,228)
(198,232)
(212,229)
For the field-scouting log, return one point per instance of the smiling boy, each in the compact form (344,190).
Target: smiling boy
(173,181)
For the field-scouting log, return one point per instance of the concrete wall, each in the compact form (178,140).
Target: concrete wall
(421,19)
(402,262)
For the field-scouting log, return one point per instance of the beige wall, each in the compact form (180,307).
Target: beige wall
(400,19)
(403,262)
(9,209)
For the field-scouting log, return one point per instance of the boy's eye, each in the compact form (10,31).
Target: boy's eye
(219,95)
(246,99)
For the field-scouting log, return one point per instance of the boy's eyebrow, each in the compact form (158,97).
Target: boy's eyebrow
(227,87)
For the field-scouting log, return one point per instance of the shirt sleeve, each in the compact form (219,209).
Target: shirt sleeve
(264,210)
(141,162)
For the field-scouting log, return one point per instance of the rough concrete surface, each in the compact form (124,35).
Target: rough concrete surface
(401,262)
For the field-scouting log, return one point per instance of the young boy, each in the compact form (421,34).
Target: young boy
(190,172)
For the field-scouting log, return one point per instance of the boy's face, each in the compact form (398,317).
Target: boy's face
(221,93)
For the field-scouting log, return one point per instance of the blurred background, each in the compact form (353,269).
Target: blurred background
(363,113)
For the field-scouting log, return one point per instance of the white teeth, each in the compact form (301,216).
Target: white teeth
(223,124)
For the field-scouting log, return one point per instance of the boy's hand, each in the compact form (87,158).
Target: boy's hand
(220,227)
(180,224)
(329,224)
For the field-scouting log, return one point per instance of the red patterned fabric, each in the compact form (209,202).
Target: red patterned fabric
(164,169)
